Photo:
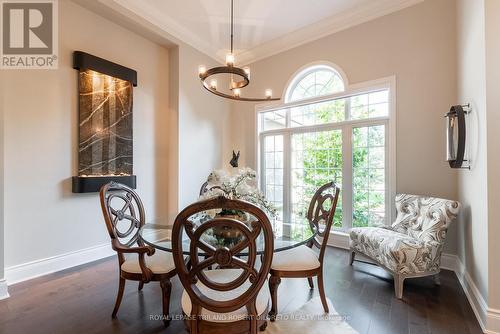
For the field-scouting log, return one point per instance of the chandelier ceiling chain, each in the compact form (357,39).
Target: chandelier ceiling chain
(232,19)
(233,71)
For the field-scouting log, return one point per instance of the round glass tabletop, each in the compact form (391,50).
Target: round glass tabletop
(158,235)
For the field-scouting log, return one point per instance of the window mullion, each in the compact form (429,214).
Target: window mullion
(287,181)
(261,164)
(347,181)
(387,181)
(347,111)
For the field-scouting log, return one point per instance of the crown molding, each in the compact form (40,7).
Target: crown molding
(158,24)
(322,29)
(291,40)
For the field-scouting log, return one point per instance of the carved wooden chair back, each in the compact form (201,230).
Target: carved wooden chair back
(123,213)
(252,276)
(320,214)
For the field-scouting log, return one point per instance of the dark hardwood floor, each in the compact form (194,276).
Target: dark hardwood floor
(80,300)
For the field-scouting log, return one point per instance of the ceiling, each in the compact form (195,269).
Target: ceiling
(262,27)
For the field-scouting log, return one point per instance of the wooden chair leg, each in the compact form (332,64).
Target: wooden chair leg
(274,282)
(141,285)
(322,292)
(263,326)
(193,321)
(398,286)
(311,284)
(353,254)
(252,312)
(121,288)
(166,288)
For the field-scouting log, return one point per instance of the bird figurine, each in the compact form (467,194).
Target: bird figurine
(234,160)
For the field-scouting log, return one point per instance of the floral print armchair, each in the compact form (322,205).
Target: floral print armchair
(412,245)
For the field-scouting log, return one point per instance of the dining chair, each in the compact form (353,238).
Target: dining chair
(303,261)
(124,215)
(232,300)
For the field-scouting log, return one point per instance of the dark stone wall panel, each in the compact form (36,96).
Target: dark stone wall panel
(105,125)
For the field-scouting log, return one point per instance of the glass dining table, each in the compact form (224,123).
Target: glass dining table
(158,235)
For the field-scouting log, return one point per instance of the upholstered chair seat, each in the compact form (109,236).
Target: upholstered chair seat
(159,263)
(395,251)
(299,258)
(226,275)
(412,245)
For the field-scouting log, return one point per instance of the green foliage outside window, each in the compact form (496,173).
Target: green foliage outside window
(318,160)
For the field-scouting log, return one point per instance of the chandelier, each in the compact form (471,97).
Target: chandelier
(238,78)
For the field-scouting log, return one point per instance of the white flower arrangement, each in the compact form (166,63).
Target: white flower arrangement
(240,185)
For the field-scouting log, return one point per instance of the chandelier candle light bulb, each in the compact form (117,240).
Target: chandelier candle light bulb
(213,84)
(247,71)
(237,92)
(269,93)
(230,59)
(202,69)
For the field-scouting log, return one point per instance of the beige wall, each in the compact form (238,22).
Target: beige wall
(179,133)
(2,240)
(473,184)
(417,45)
(492,30)
(199,128)
(478,50)
(203,125)
(42,217)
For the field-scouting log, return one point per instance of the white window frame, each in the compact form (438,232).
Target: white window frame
(388,83)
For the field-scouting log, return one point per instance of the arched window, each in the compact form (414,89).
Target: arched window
(316,80)
(327,131)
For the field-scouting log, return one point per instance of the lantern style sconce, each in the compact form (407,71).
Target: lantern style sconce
(456,136)
(105,141)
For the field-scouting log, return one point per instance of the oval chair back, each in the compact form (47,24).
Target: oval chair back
(123,213)
(321,213)
(253,272)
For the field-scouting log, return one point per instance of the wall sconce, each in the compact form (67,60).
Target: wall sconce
(456,136)
(105,141)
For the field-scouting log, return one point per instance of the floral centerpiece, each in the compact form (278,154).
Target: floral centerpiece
(240,185)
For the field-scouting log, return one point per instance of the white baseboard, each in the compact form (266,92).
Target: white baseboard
(29,270)
(449,262)
(488,318)
(4,292)
(339,239)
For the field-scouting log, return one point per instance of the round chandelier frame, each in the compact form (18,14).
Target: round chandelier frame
(230,69)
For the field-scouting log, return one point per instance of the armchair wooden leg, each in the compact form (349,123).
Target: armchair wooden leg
(121,288)
(398,286)
(311,284)
(141,285)
(437,280)
(166,288)
(322,292)
(274,282)
(353,254)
